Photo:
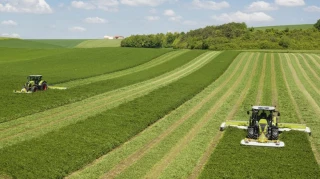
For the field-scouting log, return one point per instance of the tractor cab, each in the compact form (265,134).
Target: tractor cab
(35,78)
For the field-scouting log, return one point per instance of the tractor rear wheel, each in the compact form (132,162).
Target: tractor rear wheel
(44,86)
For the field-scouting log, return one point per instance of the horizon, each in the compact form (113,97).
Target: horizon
(94,19)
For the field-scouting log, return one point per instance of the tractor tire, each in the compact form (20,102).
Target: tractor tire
(274,134)
(34,89)
(44,86)
(251,133)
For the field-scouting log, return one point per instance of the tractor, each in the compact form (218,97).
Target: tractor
(263,127)
(33,84)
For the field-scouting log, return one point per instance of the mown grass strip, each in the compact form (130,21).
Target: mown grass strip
(220,115)
(181,144)
(74,65)
(157,61)
(118,160)
(99,43)
(18,105)
(309,67)
(302,112)
(26,128)
(231,160)
(76,145)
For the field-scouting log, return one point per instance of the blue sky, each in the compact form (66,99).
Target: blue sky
(50,19)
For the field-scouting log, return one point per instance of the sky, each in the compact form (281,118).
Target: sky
(94,19)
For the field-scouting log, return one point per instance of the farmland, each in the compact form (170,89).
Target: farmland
(153,113)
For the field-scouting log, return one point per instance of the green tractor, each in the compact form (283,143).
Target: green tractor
(33,84)
(263,127)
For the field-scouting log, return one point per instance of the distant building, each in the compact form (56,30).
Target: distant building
(118,37)
(108,37)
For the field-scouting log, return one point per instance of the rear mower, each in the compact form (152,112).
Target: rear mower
(264,129)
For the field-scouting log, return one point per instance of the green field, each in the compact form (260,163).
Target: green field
(283,27)
(58,43)
(99,43)
(153,113)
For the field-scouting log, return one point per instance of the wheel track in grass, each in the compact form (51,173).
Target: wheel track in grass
(127,162)
(261,84)
(309,67)
(315,151)
(206,156)
(273,83)
(92,105)
(157,61)
(304,74)
(168,158)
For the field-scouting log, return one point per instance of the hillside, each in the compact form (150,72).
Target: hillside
(232,36)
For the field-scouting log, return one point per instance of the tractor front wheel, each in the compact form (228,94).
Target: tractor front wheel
(34,89)
(274,133)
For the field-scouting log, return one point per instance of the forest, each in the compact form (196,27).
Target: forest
(230,36)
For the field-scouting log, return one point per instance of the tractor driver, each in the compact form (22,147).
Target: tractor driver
(263,115)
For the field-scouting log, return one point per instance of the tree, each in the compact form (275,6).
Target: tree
(317,25)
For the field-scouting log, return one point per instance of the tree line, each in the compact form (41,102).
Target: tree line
(230,36)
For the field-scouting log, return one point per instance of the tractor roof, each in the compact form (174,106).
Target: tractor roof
(267,108)
(36,75)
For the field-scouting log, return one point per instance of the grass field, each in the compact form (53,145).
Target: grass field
(99,43)
(283,27)
(154,113)
(67,43)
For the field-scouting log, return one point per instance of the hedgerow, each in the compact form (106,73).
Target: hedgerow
(56,154)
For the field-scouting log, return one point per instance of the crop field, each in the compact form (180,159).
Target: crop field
(283,27)
(155,113)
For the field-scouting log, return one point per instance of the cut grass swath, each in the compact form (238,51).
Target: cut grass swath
(26,128)
(76,145)
(120,159)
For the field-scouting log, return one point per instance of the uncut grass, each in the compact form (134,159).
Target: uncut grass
(26,128)
(231,160)
(18,54)
(66,43)
(184,163)
(18,43)
(16,105)
(107,162)
(58,153)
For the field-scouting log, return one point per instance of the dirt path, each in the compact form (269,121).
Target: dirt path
(157,61)
(169,157)
(273,83)
(261,81)
(298,114)
(28,127)
(127,162)
(206,156)
(304,74)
